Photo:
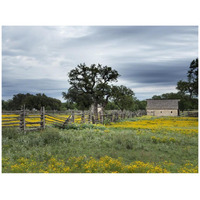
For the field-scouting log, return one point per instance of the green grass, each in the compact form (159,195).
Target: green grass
(129,144)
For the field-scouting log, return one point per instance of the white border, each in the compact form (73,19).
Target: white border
(99,186)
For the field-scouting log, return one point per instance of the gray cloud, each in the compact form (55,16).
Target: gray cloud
(37,58)
(154,72)
(52,88)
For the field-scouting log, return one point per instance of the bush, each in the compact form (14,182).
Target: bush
(50,137)
(106,121)
(76,126)
(11,133)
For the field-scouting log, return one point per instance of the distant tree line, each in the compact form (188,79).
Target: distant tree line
(31,102)
(37,101)
(111,105)
(187,90)
(136,105)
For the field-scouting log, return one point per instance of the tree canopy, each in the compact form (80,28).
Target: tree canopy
(123,97)
(31,102)
(90,85)
(191,85)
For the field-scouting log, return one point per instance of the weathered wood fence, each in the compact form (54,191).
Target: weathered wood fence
(20,119)
(34,120)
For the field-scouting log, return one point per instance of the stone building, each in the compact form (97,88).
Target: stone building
(167,107)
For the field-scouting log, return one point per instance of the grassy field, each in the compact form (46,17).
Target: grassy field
(138,145)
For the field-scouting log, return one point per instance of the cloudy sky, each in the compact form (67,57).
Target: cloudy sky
(150,59)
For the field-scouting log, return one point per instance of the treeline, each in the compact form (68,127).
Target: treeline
(35,102)
(31,102)
(136,105)
(111,105)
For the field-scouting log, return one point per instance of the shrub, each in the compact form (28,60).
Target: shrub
(76,126)
(11,133)
(50,137)
(106,121)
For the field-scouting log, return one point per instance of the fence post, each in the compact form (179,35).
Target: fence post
(93,121)
(112,117)
(117,116)
(101,117)
(22,118)
(89,117)
(42,124)
(83,117)
(73,117)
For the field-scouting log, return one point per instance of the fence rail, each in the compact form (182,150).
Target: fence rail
(34,120)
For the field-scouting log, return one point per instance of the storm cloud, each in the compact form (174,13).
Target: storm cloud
(150,59)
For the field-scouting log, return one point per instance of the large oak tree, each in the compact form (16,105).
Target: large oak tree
(91,85)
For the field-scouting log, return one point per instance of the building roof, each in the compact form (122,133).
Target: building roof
(169,104)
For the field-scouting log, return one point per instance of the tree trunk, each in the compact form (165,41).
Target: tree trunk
(102,110)
(96,111)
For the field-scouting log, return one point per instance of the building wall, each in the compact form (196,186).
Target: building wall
(162,112)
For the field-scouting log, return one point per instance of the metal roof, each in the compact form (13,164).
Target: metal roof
(168,104)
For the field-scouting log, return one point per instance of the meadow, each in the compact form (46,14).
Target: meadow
(137,145)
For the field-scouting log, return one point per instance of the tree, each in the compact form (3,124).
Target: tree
(139,105)
(19,100)
(90,85)
(68,106)
(111,106)
(193,77)
(4,105)
(31,101)
(123,97)
(82,100)
(191,85)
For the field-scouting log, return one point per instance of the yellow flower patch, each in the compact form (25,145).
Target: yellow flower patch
(184,125)
(81,164)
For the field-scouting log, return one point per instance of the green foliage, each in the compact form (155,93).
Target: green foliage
(82,101)
(111,106)
(10,133)
(165,139)
(68,106)
(50,137)
(76,126)
(106,121)
(31,102)
(137,105)
(191,85)
(123,97)
(6,105)
(90,85)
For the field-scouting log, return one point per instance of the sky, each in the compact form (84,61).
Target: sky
(150,59)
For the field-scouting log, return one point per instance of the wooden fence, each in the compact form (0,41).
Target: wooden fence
(24,120)
(34,120)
